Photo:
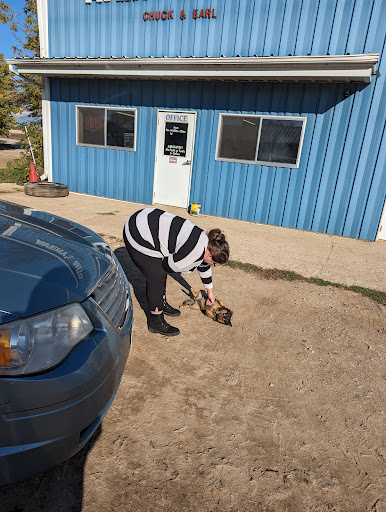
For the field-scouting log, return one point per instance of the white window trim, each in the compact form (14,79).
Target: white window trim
(260,162)
(105,146)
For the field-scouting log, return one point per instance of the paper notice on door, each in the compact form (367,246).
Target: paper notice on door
(175,139)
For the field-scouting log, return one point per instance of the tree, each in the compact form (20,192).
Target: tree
(7,99)
(8,16)
(27,36)
(27,94)
(8,105)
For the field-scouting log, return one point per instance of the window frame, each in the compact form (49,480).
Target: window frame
(261,118)
(105,146)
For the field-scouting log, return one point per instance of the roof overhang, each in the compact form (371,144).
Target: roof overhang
(309,68)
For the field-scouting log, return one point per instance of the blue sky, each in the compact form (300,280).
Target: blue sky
(7,40)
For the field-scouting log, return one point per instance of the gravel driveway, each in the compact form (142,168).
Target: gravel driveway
(284,411)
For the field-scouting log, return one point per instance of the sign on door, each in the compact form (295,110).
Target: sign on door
(174,156)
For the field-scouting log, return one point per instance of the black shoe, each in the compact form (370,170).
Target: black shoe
(158,324)
(169,310)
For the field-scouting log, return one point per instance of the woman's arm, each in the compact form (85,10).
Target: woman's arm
(205,273)
(206,277)
(211,298)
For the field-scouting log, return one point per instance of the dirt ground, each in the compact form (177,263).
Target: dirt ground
(284,411)
(9,150)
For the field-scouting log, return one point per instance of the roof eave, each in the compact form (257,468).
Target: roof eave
(331,68)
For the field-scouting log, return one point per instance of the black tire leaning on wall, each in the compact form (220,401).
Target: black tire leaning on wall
(46,189)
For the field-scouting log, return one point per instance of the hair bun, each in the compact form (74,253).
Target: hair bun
(218,246)
(216,234)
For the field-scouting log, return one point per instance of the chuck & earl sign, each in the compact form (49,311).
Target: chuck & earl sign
(169,15)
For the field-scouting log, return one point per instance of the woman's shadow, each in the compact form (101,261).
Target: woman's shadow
(138,282)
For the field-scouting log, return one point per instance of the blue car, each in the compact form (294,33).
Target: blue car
(65,334)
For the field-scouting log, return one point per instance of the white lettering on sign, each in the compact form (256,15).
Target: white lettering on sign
(176,117)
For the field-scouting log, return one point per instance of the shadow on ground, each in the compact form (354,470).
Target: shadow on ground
(13,145)
(60,489)
(137,280)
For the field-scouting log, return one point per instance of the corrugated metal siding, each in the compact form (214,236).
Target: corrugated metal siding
(109,173)
(339,187)
(242,27)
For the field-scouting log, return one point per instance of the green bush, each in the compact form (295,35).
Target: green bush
(16,172)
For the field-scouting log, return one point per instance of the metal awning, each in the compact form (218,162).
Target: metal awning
(307,68)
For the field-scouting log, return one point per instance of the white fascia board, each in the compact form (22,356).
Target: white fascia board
(335,68)
(46,121)
(42,8)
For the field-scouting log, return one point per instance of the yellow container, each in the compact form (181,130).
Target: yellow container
(195,209)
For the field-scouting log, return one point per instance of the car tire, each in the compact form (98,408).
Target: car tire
(46,189)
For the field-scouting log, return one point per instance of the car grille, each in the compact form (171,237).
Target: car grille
(113,296)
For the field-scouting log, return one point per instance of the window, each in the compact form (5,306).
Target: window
(263,140)
(106,127)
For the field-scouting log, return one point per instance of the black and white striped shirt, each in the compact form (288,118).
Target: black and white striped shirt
(179,242)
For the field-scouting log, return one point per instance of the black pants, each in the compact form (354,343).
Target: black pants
(154,273)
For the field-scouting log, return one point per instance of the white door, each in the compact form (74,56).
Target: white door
(382,225)
(173,158)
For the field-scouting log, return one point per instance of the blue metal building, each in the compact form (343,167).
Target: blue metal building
(270,111)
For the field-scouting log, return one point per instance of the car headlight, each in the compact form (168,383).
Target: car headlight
(34,344)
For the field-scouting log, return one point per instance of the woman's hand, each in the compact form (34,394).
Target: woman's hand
(211,298)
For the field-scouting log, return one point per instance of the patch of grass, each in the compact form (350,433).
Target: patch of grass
(322,282)
(376,295)
(288,275)
(247,267)
(106,213)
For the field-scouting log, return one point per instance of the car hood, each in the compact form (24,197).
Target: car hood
(45,261)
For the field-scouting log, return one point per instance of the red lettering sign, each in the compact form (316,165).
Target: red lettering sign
(204,13)
(168,15)
(158,15)
(94,122)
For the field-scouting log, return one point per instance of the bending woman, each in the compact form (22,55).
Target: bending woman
(161,243)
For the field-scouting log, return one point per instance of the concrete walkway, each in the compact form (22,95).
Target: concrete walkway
(337,259)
